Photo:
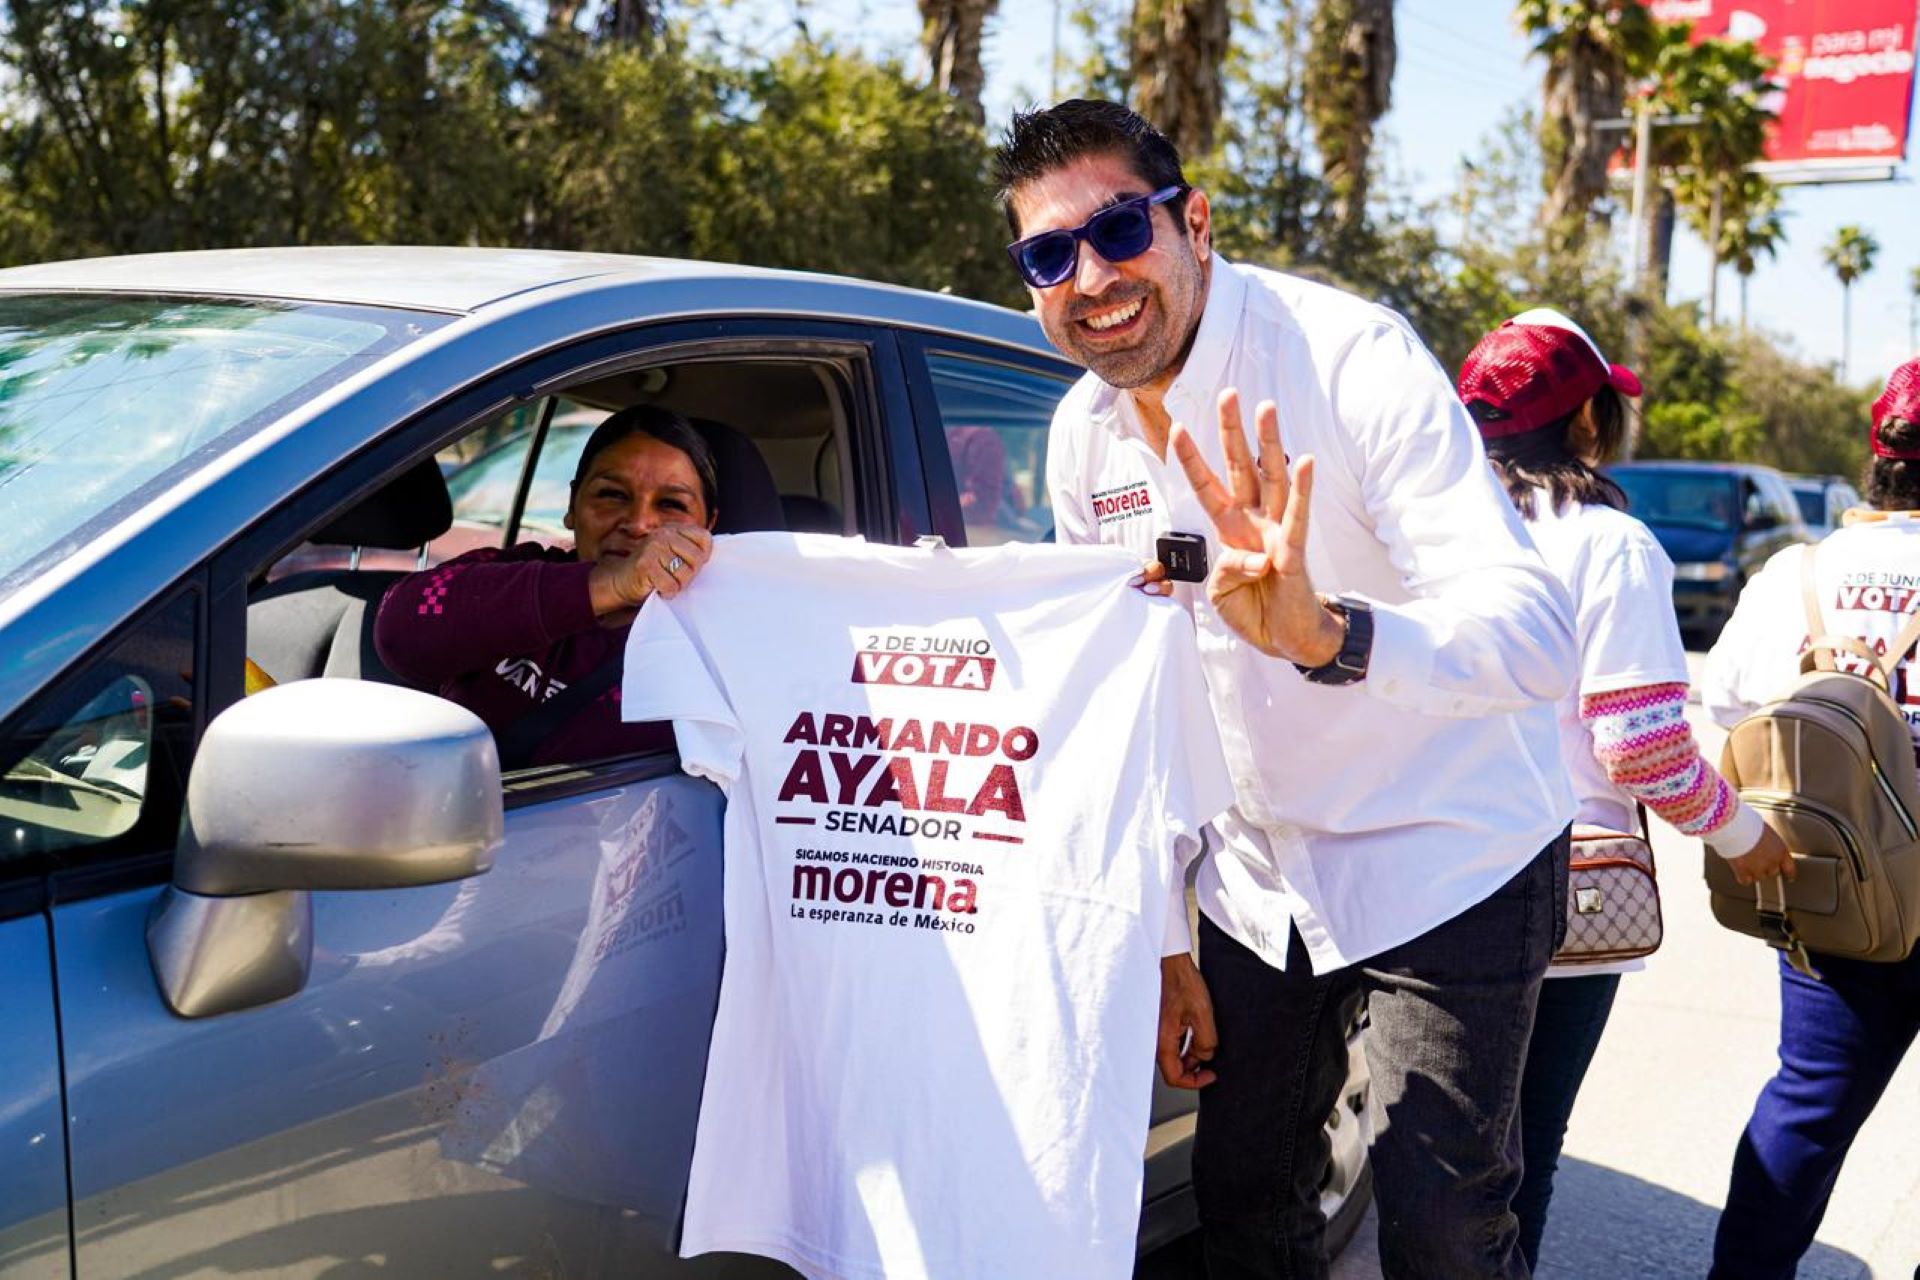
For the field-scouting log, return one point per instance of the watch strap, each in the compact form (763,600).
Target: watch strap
(1349,663)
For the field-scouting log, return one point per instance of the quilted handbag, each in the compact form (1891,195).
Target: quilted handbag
(1613,903)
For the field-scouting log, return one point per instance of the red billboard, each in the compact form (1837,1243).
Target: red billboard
(1845,68)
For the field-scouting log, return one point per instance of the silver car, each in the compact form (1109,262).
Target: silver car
(299,984)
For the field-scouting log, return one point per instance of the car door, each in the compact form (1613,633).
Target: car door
(34,1241)
(494,1076)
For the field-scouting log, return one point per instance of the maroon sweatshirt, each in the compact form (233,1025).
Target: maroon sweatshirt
(499,632)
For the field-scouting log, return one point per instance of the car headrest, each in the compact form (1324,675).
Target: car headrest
(808,514)
(749,502)
(410,510)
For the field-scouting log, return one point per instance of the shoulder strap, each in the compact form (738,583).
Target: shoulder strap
(525,735)
(1816,626)
(1903,645)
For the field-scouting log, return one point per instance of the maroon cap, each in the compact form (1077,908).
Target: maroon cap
(1535,369)
(1900,400)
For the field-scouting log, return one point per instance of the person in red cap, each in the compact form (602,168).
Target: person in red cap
(1841,1037)
(1552,410)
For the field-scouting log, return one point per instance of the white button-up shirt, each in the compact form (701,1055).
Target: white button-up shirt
(1365,814)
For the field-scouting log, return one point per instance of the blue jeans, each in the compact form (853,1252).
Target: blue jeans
(1450,1013)
(1566,1030)
(1840,1042)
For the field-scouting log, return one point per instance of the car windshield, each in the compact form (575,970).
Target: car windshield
(105,399)
(1693,499)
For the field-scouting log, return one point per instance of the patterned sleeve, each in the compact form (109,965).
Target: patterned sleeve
(1642,739)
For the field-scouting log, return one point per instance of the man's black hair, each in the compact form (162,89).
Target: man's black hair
(668,428)
(1038,142)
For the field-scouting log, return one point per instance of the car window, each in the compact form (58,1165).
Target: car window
(995,419)
(107,399)
(484,489)
(1778,500)
(1812,501)
(1689,499)
(106,749)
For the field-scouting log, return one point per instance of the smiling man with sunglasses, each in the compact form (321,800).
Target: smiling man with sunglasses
(1399,828)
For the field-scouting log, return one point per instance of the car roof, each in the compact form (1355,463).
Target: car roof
(1681,464)
(453,280)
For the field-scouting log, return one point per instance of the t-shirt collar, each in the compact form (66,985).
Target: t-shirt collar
(1191,395)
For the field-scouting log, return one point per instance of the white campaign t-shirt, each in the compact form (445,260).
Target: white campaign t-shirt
(1621,584)
(961,788)
(1867,577)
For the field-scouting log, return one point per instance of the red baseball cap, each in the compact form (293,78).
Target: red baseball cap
(1535,369)
(1900,400)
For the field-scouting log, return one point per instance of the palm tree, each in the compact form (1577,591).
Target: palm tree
(1179,48)
(1751,227)
(950,34)
(1591,48)
(1722,83)
(1850,253)
(1349,86)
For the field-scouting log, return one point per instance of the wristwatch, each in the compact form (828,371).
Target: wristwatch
(1349,664)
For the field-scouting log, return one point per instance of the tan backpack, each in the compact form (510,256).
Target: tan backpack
(1830,767)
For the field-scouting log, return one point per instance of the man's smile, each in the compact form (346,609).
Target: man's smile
(1115,320)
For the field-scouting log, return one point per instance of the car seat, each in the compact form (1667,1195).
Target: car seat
(320,622)
(749,501)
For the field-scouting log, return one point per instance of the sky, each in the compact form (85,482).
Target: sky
(1462,66)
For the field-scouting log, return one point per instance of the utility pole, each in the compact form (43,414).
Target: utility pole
(1643,122)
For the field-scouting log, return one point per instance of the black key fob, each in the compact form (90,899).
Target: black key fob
(1183,556)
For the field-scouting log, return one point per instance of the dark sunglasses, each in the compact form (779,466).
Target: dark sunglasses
(1118,232)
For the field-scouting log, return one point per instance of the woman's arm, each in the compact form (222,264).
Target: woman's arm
(1642,739)
(477,610)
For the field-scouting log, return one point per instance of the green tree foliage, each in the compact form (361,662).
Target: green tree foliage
(1721,83)
(176,123)
(140,125)
(1591,49)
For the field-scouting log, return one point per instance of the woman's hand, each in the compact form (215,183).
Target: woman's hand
(1767,859)
(664,560)
(1260,585)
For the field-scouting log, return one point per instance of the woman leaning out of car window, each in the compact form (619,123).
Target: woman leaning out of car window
(1552,410)
(1842,1037)
(503,632)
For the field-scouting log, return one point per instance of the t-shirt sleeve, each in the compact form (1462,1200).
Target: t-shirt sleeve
(1195,785)
(1628,635)
(669,677)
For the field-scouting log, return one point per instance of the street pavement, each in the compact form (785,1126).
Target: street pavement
(1690,1042)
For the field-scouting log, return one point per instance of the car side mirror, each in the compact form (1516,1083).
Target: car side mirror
(317,784)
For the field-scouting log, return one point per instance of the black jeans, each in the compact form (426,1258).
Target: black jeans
(1450,1013)
(1566,1030)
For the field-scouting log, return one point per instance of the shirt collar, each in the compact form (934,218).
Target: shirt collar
(1199,379)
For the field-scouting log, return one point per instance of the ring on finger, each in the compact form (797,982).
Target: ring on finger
(1260,465)
(675,565)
